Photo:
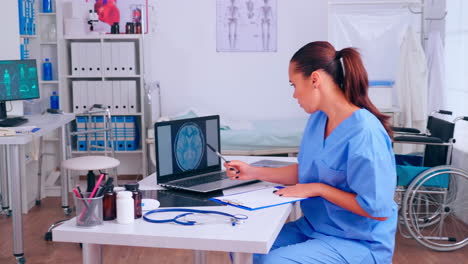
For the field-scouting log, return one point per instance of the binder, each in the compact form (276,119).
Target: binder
(81,125)
(75,58)
(120,132)
(114,133)
(132,97)
(107,93)
(99,124)
(99,96)
(116,109)
(92,136)
(256,199)
(128,63)
(76,97)
(124,97)
(115,50)
(107,59)
(130,133)
(91,99)
(84,95)
(83,60)
(93,59)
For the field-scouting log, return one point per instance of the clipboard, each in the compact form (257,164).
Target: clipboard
(256,199)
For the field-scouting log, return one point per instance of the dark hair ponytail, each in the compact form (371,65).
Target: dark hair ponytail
(352,80)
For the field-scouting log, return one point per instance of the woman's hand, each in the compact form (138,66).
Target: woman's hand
(238,170)
(301,190)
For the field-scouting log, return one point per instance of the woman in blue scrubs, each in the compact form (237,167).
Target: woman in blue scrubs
(346,166)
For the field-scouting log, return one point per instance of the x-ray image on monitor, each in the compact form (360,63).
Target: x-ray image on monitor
(189,146)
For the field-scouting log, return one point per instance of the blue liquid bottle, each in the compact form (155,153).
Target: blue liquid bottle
(47,70)
(54,101)
(47,6)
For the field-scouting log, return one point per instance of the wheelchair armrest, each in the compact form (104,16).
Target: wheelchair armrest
(419,139)
(406,130)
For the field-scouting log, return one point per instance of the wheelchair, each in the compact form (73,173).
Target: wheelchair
(431,208)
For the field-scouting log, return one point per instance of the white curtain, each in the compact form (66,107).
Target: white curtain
(456,61)
(436,72)
(456,48)
(411,82)
(376,30)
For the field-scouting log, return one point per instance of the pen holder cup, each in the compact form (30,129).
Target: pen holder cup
(88,211)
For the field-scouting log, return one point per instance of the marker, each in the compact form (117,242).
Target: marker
(221,156)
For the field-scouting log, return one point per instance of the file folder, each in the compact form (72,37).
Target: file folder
(120,132)
(100,139)
(107,59)
(76,93)
(92,59)
(128,63)
(132,97)
(83,59)
(116,109)
(75,58)
(107,93)
(124,97)
(130,133)
(116,55)
(84,95)
(91,88)
(92,136)
(81,125)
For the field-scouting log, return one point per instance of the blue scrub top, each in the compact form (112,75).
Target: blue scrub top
(356,157)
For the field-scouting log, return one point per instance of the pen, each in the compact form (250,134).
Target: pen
(219,155)
(79,190)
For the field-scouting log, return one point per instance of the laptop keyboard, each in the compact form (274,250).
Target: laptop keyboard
(201,180)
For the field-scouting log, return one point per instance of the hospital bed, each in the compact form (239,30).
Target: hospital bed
(264,137)
(252,138)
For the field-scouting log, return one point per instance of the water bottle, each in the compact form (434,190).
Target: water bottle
(54,101)
(46,6)
(47,70)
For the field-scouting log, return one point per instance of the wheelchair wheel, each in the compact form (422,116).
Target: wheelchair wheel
(432,211)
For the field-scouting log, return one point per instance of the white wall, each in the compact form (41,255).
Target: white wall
(235,85)
(10,47)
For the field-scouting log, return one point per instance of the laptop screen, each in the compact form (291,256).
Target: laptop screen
(181,149)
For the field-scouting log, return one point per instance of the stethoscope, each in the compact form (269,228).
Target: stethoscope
(180,219)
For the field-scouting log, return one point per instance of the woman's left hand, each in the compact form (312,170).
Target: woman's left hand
(304,190)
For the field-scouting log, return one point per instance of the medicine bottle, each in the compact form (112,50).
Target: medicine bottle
(125,208)
(119,189)
(54,101)
(47,70)
(109,204)
(137,196)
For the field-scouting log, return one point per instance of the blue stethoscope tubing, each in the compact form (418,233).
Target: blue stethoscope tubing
(235,219)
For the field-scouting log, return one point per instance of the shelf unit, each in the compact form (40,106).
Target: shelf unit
(66,92)
(43,44)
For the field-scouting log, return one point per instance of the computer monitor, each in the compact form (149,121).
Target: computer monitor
(18,81)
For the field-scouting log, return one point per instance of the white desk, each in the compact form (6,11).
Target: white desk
(12,149)
(256,235)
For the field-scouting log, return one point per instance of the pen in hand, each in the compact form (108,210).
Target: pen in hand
(221,156)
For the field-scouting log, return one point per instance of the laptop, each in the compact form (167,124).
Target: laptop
(183,160)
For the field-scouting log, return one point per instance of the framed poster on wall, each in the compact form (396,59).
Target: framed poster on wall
(246,25)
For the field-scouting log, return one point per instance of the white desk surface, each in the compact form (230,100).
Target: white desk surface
(255,235)
(46,123)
